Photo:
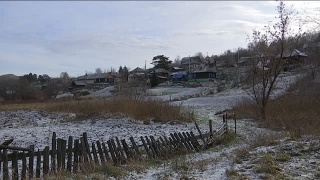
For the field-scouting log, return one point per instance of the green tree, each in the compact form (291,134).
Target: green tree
(161,61)
(154,81)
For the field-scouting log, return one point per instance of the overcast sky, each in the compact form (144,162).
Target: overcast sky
(46,37)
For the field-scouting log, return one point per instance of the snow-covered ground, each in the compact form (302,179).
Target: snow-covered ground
(35,127)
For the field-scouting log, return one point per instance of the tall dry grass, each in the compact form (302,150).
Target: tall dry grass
(297,111)
(140,109)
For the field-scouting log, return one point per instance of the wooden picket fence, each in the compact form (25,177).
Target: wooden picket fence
(70,155)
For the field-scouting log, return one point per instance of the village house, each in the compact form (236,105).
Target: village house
(191,63)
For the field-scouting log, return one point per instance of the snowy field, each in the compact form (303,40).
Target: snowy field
(29,127)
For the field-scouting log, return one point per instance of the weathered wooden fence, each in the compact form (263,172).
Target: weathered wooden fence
(70,155)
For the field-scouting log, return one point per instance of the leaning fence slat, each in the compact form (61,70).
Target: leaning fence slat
(146,148)
(150,147)
(14,164)
(83,151)
(102,159)
(184,142)
(134,144)
(187,140)
(193,141)
(94,152)
(201,136)
(85,139)
(126,149)
(116,151)
(38,167)
(120,149)
(105,151)
(113,156)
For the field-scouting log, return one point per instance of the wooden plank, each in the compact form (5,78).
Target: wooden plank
(172,140)
(14,148)
(63,153)
(148,151)
(14,164)
(102,158)
(31,160)
(53,152)
(105,152)
(76,156)
(169,144)
(46,160)
(83,150)
(24,167)
(179,141)
(126,149)
(38,166)
(113,155)
(120,149)
(164,146)
(85,138)
(116,151)
(134,144)
(193,141)
(94,152)
(185,143)
(59,154)
(187,140)
(150,146)
(5,164)
(69,162)
(156,146)
(201,136)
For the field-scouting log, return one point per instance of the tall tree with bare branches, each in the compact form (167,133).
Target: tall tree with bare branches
(269,48)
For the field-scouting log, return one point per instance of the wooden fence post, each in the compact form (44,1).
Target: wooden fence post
(69,162)
(38,166)
(85,138)
(31,160)
(24,167)
(46,160)
(5,164)
(76,156)
(15,172)
(53,152)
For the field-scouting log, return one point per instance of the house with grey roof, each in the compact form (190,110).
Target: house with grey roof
(191,63)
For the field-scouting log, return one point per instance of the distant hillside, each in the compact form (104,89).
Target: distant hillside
(8,77)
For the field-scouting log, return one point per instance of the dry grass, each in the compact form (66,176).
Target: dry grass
(296,112)
(136,108)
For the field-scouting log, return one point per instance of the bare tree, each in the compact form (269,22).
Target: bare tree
(269,48)
(98,70)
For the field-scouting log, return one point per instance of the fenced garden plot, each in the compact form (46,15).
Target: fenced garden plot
(75,155)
